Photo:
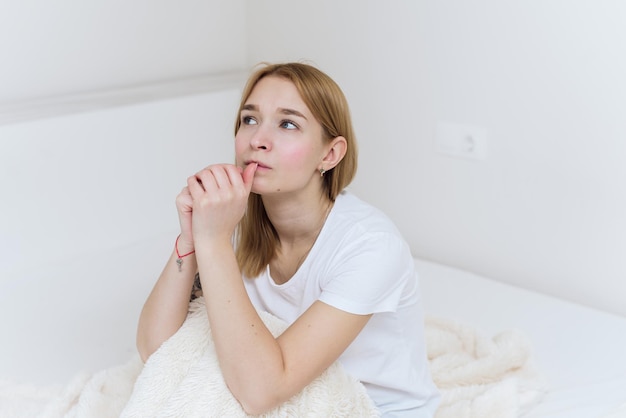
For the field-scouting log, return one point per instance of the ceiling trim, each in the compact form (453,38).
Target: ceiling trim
(89,101)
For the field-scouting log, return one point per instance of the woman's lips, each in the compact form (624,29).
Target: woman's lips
(259,165)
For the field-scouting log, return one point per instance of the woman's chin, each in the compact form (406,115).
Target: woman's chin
(264,190)
(258,189)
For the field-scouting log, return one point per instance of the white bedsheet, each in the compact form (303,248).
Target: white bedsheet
(582,351)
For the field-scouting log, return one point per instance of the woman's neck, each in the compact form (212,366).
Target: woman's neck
(298,225)
(298,222)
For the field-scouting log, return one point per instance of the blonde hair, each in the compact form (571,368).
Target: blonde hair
(257,240)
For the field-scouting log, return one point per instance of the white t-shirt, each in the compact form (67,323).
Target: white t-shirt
(361,264)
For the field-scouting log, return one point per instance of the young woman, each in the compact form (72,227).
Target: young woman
(277,232)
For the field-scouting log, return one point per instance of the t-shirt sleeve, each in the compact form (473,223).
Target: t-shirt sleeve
(369,276)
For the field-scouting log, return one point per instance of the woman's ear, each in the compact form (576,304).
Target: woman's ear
(336,151)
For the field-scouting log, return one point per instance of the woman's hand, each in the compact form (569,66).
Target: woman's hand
(219,196)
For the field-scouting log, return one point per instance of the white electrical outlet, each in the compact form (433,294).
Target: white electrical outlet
(462,141)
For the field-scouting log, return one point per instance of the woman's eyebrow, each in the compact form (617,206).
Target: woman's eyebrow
(282,110)
(293,112)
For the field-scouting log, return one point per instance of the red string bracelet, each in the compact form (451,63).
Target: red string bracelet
(179,260)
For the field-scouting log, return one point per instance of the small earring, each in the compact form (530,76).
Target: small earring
(322,171)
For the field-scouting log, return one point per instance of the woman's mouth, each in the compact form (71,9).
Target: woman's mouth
(259,165)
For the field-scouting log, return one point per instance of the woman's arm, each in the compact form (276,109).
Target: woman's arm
(261,371)
(166,308)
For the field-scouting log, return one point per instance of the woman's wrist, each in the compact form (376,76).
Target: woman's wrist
(182,251)
(210,244)
(183,245)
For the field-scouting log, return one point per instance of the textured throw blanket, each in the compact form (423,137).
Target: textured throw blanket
(478,377)
(182,379)
(481,377)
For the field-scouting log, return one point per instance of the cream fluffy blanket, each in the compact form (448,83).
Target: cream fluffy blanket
(182,379)
(478,377)
(481,377)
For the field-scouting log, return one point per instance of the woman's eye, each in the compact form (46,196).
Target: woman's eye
(248,120)
(287,124)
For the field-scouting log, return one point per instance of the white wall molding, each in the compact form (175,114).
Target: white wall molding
(94,100)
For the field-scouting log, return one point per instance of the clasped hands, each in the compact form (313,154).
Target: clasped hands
(213,203)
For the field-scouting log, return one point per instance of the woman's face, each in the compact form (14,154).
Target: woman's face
(279,133)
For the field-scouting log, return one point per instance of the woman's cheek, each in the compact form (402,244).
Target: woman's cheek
(297,156)
(240,147)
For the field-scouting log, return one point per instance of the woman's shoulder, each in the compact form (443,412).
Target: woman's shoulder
(357,227)
(353,213)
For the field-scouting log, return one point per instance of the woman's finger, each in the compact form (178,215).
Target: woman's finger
(234,176)
(248,176)
(195,185)
(220,176)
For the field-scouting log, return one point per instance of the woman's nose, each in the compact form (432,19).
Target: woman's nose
(260,140)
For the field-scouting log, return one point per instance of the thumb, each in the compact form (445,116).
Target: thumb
(248,175)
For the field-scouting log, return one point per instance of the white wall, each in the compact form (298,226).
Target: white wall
(72,46)
(87,199)
(543,78)
(88,221)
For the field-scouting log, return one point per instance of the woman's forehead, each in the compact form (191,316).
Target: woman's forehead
(276,94)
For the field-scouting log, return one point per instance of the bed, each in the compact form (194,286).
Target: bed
(581,351)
